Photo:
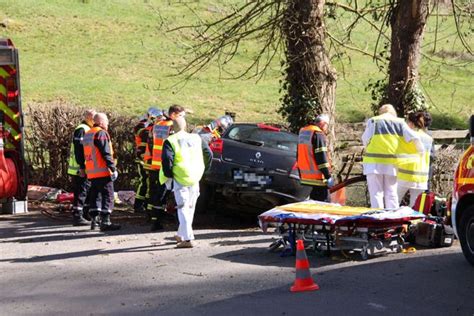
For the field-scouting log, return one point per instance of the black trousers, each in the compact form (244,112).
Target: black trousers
(320,193)
(156,191)
(142,187)
(102,195)
(81,187)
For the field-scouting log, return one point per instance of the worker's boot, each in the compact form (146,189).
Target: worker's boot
(85,212)
(95,220)
(155,220)
(78,219)
(138,206)
(106,224)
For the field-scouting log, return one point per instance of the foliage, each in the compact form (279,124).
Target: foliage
(414,100)
(48,140)
(298,110)
(120,55)
(443,168)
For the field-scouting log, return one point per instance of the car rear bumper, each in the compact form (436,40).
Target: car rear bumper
(282,185)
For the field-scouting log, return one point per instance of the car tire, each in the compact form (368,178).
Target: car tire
(466,234)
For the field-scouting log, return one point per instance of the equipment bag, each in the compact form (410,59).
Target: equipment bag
(432,232)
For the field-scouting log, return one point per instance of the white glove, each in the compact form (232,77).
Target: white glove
(114,175)
(330,182)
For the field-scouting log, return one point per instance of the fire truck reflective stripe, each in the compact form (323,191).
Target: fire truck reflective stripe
(8,111)
(9,69)
(462,181)
(4,73)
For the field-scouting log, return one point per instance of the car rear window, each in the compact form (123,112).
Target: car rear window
(254,135)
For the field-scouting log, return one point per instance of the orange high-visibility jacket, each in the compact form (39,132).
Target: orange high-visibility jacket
(147,155)
(96,166)
(161,131)
(310,172)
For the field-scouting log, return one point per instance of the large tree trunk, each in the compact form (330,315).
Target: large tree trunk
(310,78)
(408,24)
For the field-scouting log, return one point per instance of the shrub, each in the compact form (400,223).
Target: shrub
(48,136)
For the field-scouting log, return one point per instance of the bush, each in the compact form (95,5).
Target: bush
(443,168)
(48,136)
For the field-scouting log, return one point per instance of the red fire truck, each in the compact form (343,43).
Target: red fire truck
(462,203)
(13,184)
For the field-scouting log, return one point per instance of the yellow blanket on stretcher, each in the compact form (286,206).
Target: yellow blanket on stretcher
(310,207)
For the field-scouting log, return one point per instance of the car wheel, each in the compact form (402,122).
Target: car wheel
(466,233)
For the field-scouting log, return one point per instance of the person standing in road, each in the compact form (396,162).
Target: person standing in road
(101,171)
(139,205)
(184,159)
(158,133)
(313,160)
(389,142)
(76,169)
(157,193)
(414,175)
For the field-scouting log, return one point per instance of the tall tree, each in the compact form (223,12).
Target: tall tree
(310,79)
(295,27)
(408,20)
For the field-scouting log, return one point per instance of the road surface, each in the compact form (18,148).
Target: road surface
(48,267)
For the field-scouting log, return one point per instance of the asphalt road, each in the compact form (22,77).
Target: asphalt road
(50,268)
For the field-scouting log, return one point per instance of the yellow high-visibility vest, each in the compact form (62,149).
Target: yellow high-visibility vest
(188,164)
(73,166)
(387,145)
(417,171)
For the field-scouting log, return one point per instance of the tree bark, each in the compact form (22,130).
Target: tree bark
(408,24)
(310,77)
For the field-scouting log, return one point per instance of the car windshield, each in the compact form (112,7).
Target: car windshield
(254,135)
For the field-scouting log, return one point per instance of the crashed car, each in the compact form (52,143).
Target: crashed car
(253,169)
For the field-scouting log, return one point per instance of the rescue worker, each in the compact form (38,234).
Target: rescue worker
(215,129)
(388,142)
(158,133)
(413,176)
(76,169)
(156,191)
(101,171)
(141,137)
(185,157)
(174,112)
(314,163)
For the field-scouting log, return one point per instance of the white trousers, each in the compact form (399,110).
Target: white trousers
(186,198)
(382,190)
(413,194)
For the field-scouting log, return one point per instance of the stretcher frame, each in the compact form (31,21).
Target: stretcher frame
(367,239)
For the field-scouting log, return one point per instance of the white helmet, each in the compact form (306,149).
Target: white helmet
(154,113)
(222,122)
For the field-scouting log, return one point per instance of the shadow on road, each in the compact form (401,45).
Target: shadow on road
(88,253)
(441,284)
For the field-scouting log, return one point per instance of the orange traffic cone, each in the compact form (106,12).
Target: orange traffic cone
(304,280)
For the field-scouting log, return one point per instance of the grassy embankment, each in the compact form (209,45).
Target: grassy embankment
(117,54)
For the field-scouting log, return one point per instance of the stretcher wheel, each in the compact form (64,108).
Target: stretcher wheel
(275,245)
(398,248)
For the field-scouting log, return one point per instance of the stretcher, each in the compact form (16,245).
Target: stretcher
(329,227)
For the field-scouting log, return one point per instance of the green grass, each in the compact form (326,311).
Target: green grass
(117,54)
